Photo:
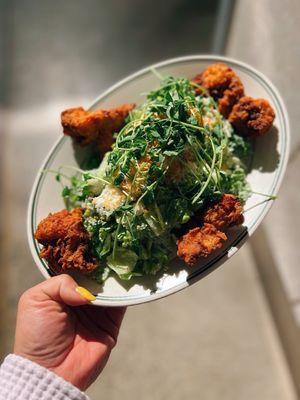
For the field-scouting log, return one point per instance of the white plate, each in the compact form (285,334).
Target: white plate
(268,167)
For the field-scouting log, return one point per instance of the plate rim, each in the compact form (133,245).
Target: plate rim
(228,252)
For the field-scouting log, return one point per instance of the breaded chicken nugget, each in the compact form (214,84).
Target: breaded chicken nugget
(57,225)
(94,126)
(252,117)
(66,242)
(199,242)
(225,213)
(223,84)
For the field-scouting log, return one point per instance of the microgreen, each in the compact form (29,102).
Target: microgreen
(175,155)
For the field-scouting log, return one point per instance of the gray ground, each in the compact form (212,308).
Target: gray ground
(217,339)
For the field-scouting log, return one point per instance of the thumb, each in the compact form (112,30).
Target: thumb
(62,289)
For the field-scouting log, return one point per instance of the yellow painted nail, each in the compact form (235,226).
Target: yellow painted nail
(86,294)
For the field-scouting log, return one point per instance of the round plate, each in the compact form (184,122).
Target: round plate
(267,170)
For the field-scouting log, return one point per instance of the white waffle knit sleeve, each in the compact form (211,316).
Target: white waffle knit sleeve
(25,380)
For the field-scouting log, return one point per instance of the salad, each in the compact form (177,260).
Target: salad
(165,178)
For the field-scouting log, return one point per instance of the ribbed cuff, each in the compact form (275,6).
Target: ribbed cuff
(25,380)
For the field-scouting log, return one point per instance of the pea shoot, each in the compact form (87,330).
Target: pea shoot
(175,155)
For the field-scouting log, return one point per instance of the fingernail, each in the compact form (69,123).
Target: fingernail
(86,294)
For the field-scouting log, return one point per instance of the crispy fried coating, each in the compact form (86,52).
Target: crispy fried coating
(225,213)
(223,84)
(199,242)
(97,127)
(252,117)
(66,242)
(57,225)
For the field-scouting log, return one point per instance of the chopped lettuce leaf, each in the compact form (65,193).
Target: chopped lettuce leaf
(122,261)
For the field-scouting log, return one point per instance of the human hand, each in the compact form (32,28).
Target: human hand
(53,331)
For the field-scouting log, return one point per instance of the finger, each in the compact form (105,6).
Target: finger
(93,330)
(116,315)
(107,319)
(62,289)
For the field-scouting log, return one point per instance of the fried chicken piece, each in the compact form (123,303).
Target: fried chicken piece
(97,127)
(225,213)
(57,225)
(199,242)
(223,84)
(66,242)
(252,117)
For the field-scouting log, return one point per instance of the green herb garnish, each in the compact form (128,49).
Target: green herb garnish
(175,155)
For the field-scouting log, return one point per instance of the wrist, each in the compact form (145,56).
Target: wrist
(30,357)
